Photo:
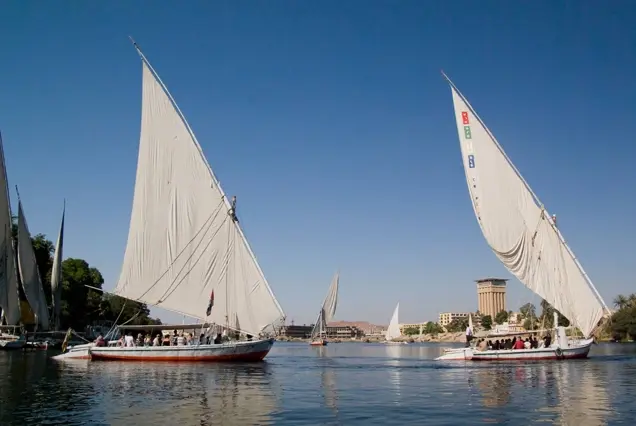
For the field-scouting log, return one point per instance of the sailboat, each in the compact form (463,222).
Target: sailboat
(186,252)
(526,240)
(9,292)
(393,330)
(327,312)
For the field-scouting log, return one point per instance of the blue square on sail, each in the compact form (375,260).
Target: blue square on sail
(471,161)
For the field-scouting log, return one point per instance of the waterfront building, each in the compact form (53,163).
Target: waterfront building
(446,318)
(491,296)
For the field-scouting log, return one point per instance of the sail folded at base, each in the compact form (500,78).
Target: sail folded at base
(518,230)
(328,308)
(183,240)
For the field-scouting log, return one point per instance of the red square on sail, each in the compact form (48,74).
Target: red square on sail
(465,117)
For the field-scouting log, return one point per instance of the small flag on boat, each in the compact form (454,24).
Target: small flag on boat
(209,311)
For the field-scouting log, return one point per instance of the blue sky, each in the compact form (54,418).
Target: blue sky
(332,124)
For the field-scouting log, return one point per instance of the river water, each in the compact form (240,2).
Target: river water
(341,384)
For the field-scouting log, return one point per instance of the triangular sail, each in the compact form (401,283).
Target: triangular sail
(9,295)
(183,240)
(328,308)
(29,274)
(470,322)
(517,228)
(56,275)
(393,330)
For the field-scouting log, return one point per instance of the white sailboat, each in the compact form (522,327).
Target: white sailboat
(327,312)
(9,293)
(186,249)
(525,238)
(29,273)
(393,330)
(56,274)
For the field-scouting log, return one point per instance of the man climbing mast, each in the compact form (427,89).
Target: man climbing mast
(232,211)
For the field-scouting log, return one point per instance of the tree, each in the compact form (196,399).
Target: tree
(457,325)
(528,311)
(80,305)
(433,328)
(501,317)
(620,302)
(547,316)
(486,322)
(410,331)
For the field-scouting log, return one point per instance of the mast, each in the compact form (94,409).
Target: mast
(546,215)
(207,164)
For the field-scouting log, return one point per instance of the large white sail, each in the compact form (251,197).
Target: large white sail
(183,241)
(393,330)
(328,308)
(518,229)
(56,275)
(29,274)
(9,295)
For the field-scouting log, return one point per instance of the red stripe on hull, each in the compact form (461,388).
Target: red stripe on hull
(247,357)
(543,358)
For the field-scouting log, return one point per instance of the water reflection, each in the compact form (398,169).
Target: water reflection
(567,392)
(328,382)
(394,352)
(189,394)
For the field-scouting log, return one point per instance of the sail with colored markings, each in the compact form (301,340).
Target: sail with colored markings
(184,239)
(517,226)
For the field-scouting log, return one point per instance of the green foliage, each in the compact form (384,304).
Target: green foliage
(547,316)
(81,306)
(457,325)
(623,322)
(501,317)
(411,331)
(433,328)
(486,322)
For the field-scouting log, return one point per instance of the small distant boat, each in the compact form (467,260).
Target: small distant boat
(327,312)
(393,330)
(527,241)
(10,342)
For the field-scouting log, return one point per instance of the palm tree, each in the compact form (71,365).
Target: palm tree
(620,302)
(631,300)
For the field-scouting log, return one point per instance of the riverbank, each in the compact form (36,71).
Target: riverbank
(425,338)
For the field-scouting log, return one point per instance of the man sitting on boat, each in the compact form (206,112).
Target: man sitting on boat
(100,341)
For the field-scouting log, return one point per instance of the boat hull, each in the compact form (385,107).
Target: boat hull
(248,351)
(76,352)
(12,344)
(321,342)
(575,351)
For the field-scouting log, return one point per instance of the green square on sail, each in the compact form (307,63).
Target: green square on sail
(467,132)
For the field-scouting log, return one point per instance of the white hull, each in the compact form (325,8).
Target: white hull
(576,350)
(388,342)
(76,352)
(244,351)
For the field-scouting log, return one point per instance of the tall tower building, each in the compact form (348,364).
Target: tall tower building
(491,296)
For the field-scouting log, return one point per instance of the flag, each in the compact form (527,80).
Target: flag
(209,311)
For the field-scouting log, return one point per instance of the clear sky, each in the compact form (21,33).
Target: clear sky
(332,124)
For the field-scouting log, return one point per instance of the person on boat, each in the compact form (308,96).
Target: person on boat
(469,335)
(482,345)
(547,340)
(218,339)
(129,340)
(120,341)
(518,344)
(180,340)
(527,344)
(202,339)
(157,340)
(147,340)
(100,341)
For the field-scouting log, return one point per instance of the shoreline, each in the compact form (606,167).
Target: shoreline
(458,337)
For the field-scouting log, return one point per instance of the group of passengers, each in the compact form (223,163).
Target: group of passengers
(514,343)
(175,339)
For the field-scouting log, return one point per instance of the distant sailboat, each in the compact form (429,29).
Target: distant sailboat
(327,312)
(524,237)
(56,275)
(29,273)
(393,330)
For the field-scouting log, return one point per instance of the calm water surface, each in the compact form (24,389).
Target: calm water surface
(346,383)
